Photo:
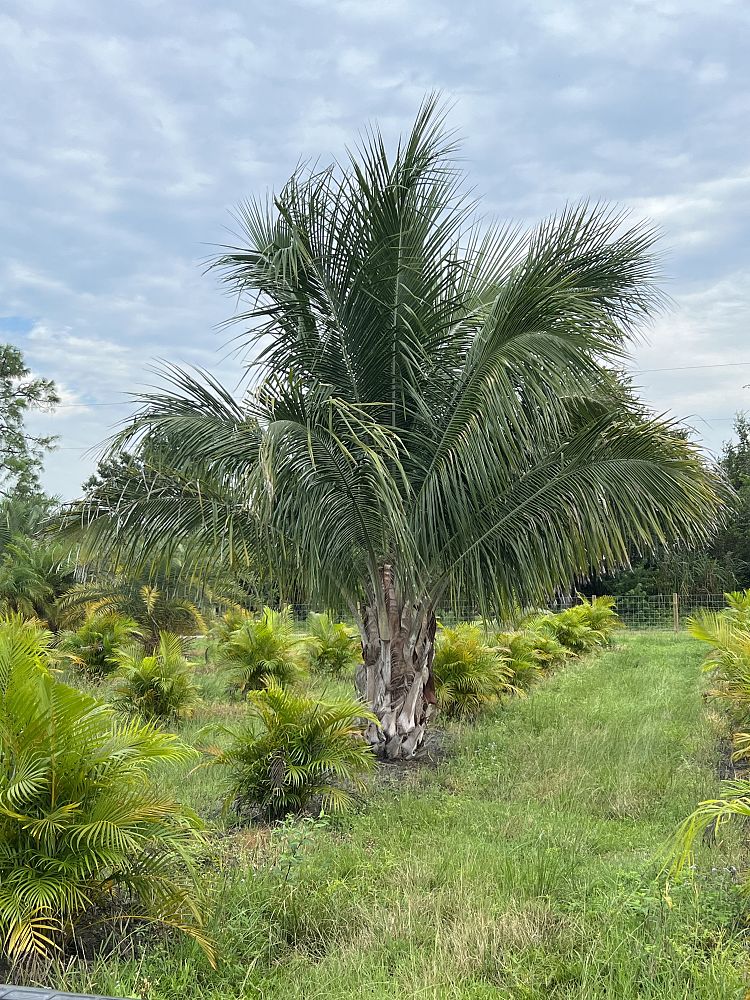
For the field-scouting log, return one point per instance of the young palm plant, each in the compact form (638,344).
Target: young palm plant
(157,685)
(738,607)
(728,659)
(34,573)
(229,622)
(601,614)
(83,826)
(469,673)
(92,648)
(520,655)
(261,649)
(573,629)
(435,415)
(330,646)
(301,753)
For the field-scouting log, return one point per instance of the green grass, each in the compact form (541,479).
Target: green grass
(524,867)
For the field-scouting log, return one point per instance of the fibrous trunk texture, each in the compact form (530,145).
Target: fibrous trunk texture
(395,677)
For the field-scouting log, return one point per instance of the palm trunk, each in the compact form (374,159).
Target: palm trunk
(395,677)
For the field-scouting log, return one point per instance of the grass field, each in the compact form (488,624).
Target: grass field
(524,866)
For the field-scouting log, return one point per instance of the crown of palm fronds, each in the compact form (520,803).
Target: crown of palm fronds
(426,391)
(33,574)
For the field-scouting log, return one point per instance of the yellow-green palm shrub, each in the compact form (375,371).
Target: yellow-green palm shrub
(82,824)
(738,607)
(296,752)
(581,628)
(331,647)
(160,684)
(261,649)
(728,635)
(92,648)
(470,672)
(573,629)
(728,659)
(519,656)
(232,619)
(548,651)
(601,614)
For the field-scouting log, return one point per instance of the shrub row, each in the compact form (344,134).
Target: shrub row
(477,665)
(727,633)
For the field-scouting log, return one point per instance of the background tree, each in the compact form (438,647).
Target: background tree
(732,543)
(21,452)
(36,568)
(435,413)
(721,564)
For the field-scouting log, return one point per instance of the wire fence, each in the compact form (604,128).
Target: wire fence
(664,611)
(639,612)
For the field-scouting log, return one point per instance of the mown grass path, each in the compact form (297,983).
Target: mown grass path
(521,868)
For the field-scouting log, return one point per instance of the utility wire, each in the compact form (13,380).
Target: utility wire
(686,368)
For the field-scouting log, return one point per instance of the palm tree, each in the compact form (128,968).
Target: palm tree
(34,574)
(434,414)
(153,607)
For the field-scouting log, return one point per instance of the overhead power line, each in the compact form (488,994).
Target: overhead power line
(687,368)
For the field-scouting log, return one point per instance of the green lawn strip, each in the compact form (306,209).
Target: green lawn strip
(523,867)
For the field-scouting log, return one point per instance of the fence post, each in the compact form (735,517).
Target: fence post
(676,611)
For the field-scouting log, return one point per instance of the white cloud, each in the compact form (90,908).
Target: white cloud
(711,72)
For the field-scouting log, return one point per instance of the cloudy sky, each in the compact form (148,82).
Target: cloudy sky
(128,131)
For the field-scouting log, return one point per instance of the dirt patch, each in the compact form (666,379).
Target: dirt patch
(434,750)
(726,768)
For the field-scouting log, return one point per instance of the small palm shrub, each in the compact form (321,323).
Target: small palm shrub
(300,752)
(470,674)
(600,613)
(330,646)
(27,645)
(155,608)
(33,575)
(548,650)
(728,659)
(232,619)
(728,635)
(261,649)
(572,628)
(158,685)
(83,827)
(521,657)
(92,648)
(581,628)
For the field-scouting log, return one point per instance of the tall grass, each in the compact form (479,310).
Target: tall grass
(523,868)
